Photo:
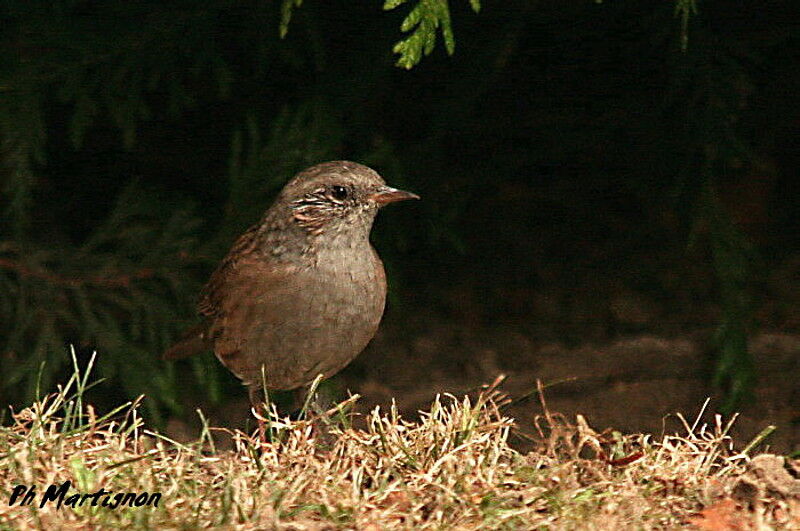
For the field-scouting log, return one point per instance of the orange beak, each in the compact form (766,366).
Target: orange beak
(385,195)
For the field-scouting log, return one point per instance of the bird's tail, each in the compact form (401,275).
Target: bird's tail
(193,342)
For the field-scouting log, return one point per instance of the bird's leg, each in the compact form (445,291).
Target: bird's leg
(310,401)
(313,405)
(258,399)
(298,403)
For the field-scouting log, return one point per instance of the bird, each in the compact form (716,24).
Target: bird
(302,292)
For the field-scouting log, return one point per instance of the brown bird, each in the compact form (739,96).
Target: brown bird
(301,292)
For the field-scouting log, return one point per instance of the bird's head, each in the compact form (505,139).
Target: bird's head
(338,196)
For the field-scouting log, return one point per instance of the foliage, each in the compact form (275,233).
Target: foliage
(22,130)
(713,150)
(422,22)
(287,6)
(685,9)
(85,260)
(111,292)
(734,261)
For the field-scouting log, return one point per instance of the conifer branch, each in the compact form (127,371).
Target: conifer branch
(423,22)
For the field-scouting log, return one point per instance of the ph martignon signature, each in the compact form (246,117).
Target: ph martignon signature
(57,494)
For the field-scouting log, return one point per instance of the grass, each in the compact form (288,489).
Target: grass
(453,469)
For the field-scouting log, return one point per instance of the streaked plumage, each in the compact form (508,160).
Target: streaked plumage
(302,292)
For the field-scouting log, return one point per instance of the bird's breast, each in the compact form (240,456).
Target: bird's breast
(351,284)
(312,319)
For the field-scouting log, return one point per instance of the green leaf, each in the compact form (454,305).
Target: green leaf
(423,22)
(685,9)
(287,7)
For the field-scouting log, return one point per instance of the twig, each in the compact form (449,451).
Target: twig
(122,280)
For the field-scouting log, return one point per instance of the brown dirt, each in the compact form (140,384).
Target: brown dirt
(625,358)
(632,384)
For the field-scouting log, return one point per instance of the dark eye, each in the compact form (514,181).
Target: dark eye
(339,192)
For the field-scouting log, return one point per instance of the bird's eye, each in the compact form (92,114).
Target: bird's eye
(339,192)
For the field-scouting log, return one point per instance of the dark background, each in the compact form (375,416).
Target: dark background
(609,196)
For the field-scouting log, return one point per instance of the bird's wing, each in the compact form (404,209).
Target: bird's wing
(191,343)
(248,292)
(210,303)
(210,306)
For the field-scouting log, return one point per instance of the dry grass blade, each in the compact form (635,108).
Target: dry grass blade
(451,469)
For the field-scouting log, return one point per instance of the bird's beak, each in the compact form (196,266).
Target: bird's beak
(385,195)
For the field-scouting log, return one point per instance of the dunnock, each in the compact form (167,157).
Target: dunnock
(301,292)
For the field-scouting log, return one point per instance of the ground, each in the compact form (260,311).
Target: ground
(451,469)
(603,342)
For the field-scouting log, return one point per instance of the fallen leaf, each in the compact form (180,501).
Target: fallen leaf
(724,515)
